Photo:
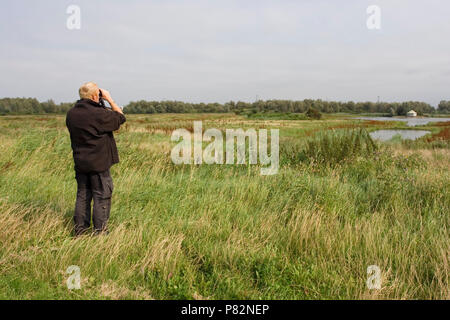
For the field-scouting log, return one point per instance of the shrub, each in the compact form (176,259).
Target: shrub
(277,116)
(333,147)
(330,148)
(313,114)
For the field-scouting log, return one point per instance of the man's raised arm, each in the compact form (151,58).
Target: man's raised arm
(107,96)
(111,120)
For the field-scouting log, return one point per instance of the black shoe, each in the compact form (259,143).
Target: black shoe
(101,232)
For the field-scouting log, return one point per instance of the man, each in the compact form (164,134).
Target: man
(91,127)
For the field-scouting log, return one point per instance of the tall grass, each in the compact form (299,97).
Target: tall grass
(331,147)
(225,232)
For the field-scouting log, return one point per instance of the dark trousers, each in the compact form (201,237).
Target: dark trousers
(97,187)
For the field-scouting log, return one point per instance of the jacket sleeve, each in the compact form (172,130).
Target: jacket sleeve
(109,121)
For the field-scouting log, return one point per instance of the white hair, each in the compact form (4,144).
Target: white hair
(88,90)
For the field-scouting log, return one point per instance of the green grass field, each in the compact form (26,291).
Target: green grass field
(225,231)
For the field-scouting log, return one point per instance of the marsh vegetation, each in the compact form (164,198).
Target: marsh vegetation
(340,203)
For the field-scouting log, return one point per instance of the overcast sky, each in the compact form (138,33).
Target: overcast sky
(206,51)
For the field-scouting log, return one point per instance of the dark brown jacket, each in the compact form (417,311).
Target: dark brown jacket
(91,129)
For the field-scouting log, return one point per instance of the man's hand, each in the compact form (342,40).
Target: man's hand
(107,96)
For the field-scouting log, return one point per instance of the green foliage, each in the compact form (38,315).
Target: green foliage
(31,106)
(313,114)
(333,147)
(444,107)
(150,107)
(276,116)
(225,232)
(277,106)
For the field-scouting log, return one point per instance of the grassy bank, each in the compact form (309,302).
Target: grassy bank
(226,232)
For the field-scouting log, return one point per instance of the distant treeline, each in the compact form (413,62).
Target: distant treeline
(33,106)
(388,108)
(444,107)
